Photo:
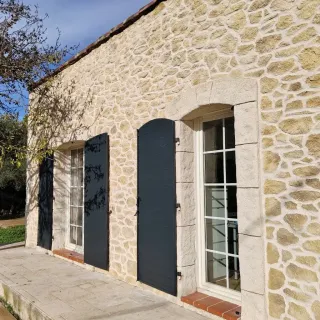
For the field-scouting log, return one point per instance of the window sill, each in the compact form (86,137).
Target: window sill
(71,255)
(218,307)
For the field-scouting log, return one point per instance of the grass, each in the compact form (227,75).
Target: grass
(12,234)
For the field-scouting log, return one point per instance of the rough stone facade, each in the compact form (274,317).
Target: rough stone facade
(137,74)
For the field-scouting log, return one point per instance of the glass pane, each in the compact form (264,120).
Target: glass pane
(79,216)
(231,167)
(232,202)
(216,269)
(233,245)
(73,235)
(234,274)
(230,136)
(214,168)
(80,197)
(80,157)
(79,236)
(213,135)
(73,215)
(80,177)
(74,177)
(216,235)
(215,202)
(74,197)
(74,158)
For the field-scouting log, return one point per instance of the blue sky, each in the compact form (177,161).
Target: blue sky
(83,21)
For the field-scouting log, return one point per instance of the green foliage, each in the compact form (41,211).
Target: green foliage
(12,234)
(13,141)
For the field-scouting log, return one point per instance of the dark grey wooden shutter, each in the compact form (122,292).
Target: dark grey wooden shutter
(45,202)
(157,249)
(96,206)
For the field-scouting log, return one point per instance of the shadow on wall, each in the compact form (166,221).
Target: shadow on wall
(59,114)
(96,172)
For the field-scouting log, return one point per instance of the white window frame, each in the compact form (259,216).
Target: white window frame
(203,285)
(71,246)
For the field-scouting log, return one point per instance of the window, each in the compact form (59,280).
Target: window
(76,199)
(220,249)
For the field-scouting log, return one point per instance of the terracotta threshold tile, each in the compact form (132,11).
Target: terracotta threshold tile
(205,303)
(234,314)
(74,256)
(222,308)
(192,298)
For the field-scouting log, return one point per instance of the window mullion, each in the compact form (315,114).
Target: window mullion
(225,200)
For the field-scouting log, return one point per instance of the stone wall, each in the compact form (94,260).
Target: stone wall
(135,76)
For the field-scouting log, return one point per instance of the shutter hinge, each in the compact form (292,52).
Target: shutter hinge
(178,206)
(179,274)
(177,140)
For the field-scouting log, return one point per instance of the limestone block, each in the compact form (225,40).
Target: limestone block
(188,282)
(249,211)
(272,207)
(301,274)
(310,58)
(233,91)
(252,263)
(185,133)
(203,93)
(253,306)
(277,305)
(313,145)
(312,246)
(185,167)
(272,254)
(296,221)
(183,105)
(276,279)
(271,161)
(186,245)
(246,123)
(186,196)
(286,238)
(247,166)
(298,311)
(305,196)
(274,187)
(61,198)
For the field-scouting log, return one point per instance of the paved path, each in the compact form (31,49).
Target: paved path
(64,291)
(4,314)
(12,223)
(11,245)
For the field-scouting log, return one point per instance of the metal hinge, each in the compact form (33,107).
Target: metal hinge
(179,274)
(177,140)
(178,206)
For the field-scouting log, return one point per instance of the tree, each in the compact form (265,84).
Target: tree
(25,55)
(13,133)
(25,58)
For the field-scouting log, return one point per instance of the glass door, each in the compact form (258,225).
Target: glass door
(75,221)
(219,216)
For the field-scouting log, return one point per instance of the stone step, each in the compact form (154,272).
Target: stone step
(25,308)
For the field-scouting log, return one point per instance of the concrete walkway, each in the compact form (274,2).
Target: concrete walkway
(45,287)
